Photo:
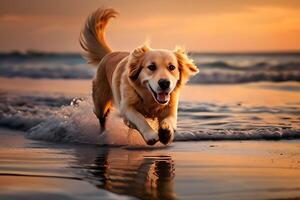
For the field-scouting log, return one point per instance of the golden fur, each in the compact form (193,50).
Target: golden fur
(144,83)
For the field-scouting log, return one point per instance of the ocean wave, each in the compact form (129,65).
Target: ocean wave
(62,119)
(270,133)
(262,66)
(224,72)
(230,77)
(24,112)
(47,70)
(215,68)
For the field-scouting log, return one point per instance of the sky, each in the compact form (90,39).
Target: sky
(198,25)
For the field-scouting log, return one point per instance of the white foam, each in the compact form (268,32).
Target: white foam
(270,133)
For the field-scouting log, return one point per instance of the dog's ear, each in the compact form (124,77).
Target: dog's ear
(186,65)
(134,61)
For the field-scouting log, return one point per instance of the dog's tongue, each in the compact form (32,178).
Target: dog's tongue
(163,97)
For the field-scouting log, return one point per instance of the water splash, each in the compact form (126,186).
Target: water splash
(77,124)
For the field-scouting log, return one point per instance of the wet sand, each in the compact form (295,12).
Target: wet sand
(185,170)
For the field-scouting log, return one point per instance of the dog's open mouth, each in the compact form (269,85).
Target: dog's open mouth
(160,97)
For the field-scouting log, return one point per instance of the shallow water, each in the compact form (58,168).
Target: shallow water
(209,112)
(39,170)
(57,165)
(186,170)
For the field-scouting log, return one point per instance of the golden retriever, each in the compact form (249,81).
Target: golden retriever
(144,83)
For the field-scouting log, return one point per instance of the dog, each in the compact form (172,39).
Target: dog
(143,83)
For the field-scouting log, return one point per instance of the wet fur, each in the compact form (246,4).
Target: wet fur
(118,83)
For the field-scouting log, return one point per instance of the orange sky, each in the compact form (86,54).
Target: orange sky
(228,25)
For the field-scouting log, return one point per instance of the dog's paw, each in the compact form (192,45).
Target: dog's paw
(151,138)
(165,133)
(152,142)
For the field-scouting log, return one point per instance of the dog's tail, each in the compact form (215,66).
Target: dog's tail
(92,35)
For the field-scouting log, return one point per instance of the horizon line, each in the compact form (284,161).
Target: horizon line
(34,51)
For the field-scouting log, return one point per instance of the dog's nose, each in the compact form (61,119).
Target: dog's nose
(164,84)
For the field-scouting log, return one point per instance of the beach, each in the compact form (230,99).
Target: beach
(52,160)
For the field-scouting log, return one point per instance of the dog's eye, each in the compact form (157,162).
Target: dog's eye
(171,67)
(152,67)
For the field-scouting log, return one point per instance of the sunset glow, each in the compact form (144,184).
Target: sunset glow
(198,25)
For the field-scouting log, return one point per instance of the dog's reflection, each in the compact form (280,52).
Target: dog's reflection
(142,174)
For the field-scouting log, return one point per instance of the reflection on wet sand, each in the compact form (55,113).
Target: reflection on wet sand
(141,174)
(204,170)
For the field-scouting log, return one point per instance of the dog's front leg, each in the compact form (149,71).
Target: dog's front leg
(168,125)
(166,130)
(149,135)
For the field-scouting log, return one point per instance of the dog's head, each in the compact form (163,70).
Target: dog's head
(159,71)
